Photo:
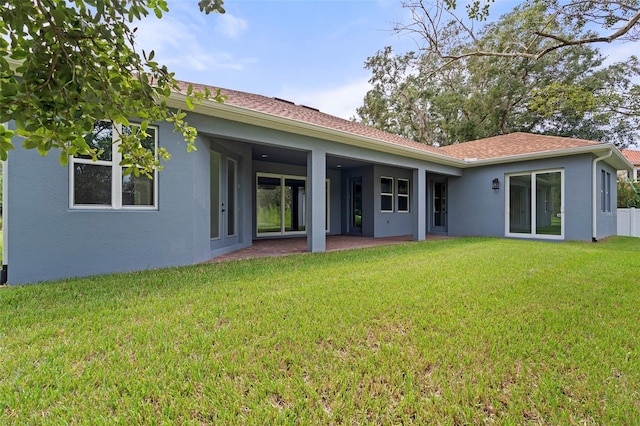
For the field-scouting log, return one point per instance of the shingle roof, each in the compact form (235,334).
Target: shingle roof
(513,144)
(632,155)
(286,109)
(496,147)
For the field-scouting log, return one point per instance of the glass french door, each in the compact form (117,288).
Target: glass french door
(223,198)
(439,207)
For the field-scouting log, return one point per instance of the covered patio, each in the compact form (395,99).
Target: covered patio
(286,246)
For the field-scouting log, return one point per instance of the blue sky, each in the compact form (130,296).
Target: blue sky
(311,52)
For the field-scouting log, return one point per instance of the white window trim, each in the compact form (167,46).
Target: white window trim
(282,225)
(116,177)
(407,195)
(533,200)
(387,194)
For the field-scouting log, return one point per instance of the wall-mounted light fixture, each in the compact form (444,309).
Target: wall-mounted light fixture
(495,184)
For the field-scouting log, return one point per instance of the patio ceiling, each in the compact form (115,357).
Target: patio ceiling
(296,157)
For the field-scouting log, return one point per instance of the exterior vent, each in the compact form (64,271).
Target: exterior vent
(311,108)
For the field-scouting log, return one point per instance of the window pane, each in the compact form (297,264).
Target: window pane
(215,194)
(268,204)
(403,204)
(149,142)
(101,138)
(548,203)
(520,204)
(386,185)
(92,184)
(403,187)
(137,191)
(386,203)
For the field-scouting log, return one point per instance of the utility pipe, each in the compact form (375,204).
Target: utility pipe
(594,197)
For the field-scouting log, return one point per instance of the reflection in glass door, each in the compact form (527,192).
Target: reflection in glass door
(294,210)
(280,204)
(268,205)
(548,203)
(355,205)
(439,210)
(519,204)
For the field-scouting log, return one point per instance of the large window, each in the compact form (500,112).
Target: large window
(281,204)
(535,204)
(102,184)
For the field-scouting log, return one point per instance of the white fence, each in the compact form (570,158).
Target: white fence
(629,222)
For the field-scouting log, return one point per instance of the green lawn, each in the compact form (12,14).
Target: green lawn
(465,331)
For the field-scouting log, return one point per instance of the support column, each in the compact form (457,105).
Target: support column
(419,204)
(316,200)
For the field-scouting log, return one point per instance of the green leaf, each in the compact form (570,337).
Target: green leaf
(64,158)
(78,67)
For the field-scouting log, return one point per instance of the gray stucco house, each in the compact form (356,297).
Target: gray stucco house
(266,168)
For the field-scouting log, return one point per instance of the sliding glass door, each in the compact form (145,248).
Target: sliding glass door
(535,204)
(280,204)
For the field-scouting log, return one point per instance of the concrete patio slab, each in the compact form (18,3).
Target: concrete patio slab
(285,246)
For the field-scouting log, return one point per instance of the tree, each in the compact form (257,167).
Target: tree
(431,99)
(67,64)
(593,21)
(628,194)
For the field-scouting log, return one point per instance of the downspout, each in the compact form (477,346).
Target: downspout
(594,197)
(4,214)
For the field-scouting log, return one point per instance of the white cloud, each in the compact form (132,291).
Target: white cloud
(179,46)
(231,26)
(340,101)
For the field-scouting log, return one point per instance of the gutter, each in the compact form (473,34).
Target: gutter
(586,149)
(5,220)
(594,196)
